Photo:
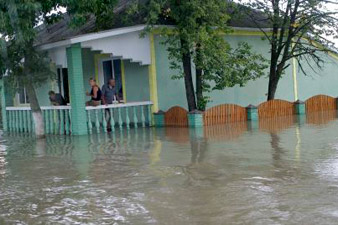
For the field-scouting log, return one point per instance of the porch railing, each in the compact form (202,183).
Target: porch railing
(57,119)
(126,115)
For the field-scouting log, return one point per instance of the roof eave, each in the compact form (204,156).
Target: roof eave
(118,31)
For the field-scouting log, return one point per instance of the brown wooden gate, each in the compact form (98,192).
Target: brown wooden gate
(176,116)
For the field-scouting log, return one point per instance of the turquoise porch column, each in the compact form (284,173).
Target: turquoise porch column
(77,92)
(3,105)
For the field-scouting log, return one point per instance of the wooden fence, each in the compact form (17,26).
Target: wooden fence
(176,116)
(222,114)
(275,108)
(320,103)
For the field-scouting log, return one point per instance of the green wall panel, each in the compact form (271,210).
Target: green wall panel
(137,82)
(320,82)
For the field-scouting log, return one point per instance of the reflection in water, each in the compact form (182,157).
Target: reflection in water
(177,134)
(277,124)
(2,160)
(173,176)
(277,149)
(321,117)
(198,150)
(229,131)
(299,141)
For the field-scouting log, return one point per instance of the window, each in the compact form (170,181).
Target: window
(22,96)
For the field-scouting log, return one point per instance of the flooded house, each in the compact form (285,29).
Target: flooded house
(141,68)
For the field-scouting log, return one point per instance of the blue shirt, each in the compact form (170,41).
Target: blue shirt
(108,93)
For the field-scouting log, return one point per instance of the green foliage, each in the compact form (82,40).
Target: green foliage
(18,28)
(202,25)
(236,69)
(82,10)
(300,29)
(19,59)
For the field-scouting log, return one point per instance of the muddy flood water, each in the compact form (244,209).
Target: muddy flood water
(277,171)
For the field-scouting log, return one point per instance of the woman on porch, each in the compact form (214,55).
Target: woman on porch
(95,94)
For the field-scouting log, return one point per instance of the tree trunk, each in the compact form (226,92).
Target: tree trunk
(273,83)
(273,78)
(199,90)
(189,86)
(199,81)
(36,111)
(33,100)
(275,74)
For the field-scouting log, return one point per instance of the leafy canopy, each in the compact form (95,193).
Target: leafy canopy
(301,29)
(202,25)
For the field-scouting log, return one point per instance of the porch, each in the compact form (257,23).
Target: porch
(118,54)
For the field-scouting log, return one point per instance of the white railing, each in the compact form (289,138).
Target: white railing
(122,115)
(25,108)
(56,119)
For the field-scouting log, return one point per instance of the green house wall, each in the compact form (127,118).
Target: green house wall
(137,82)
(323,81)
(172,92)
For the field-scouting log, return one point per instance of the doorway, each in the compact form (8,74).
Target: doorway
(62,83)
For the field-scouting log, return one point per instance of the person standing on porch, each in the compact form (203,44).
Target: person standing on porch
(109,96)
(95,94)
(109,92)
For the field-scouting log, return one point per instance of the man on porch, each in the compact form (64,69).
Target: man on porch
(109,96)
(109,93)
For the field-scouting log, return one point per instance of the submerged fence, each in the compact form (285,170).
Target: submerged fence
(265,112)
(227,113)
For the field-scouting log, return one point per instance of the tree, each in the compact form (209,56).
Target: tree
(19,59)
(198,36)
(24,65)
(301,29)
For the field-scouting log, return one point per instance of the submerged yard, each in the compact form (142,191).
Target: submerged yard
(283,172)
